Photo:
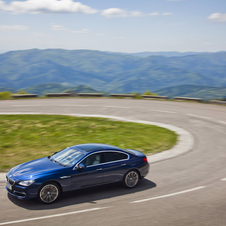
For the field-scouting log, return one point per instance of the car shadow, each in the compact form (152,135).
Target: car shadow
(88,195)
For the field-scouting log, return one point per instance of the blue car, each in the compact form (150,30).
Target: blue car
(76,167)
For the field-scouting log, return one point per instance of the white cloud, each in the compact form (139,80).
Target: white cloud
(167,14)
(47,6)
(217,17)
(154,14)
(57,28)
(13,28)
(66,6)
(135,13)
(37,34)
(116,12)
(159,14)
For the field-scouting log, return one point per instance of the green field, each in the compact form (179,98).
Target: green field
(26,137)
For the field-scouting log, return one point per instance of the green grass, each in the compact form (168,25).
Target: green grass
(27,137)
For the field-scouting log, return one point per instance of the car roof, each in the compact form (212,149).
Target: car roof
(95,147)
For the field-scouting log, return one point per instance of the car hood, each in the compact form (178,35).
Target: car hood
(32,169)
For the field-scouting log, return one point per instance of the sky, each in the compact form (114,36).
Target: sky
(128,26)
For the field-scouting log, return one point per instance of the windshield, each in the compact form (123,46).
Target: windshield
(67,157)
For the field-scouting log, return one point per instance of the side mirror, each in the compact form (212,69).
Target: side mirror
(81,166)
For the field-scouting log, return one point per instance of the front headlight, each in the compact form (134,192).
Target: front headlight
(26,182)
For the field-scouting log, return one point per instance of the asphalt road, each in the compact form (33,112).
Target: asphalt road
(186,190)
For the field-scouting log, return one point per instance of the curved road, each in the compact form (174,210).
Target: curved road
(186,190)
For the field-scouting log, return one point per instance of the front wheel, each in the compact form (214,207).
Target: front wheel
(131,179)
(49,193)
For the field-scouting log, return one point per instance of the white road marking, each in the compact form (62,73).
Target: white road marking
(115,107)
(199,116)
(165,196)
(52,216)
(74,105)
(223,179)
(23,113)
(171,112)
(67,105)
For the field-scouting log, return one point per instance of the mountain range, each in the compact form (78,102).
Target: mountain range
(203,92)
(111,72)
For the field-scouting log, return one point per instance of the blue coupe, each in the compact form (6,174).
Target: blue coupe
(76,167)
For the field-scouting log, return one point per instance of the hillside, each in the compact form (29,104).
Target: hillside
(42,89)
(166,54)
(110,72)
(205,93)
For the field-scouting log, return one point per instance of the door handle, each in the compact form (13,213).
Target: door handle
(99,169)
(123,164)
(64,177)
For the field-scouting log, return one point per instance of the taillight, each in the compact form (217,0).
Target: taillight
(145,160)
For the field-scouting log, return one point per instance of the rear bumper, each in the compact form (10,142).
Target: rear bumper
(144,170)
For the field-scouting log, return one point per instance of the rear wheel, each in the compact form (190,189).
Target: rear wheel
(49,193)
(131,179)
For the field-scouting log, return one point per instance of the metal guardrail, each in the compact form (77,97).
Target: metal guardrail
(90,94)
(217,102)
(188,98)
(155,97)
(24,95)
(117,95)
(58,95)
(122,95)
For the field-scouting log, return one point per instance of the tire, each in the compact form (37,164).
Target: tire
(49,193)
(131,179)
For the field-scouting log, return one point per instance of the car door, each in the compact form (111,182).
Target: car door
(114,166)
(92,175)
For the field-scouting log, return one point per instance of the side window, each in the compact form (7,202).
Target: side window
(92,160)
(122,156)
(114,156)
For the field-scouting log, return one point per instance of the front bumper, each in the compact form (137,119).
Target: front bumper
(23,193)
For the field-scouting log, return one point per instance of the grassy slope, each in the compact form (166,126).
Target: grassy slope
(26,137)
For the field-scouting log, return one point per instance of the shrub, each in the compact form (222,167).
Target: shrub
(5,95)
(22,91)
(149,93)
(137,96)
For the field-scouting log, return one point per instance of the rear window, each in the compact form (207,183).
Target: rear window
(135,152)
(89,147)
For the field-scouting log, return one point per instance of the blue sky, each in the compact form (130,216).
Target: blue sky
(119,26)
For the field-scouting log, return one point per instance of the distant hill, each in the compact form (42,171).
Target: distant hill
(110,72)
(205,93)
(82,89)
(166,54)
(42,89)
(3,89)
